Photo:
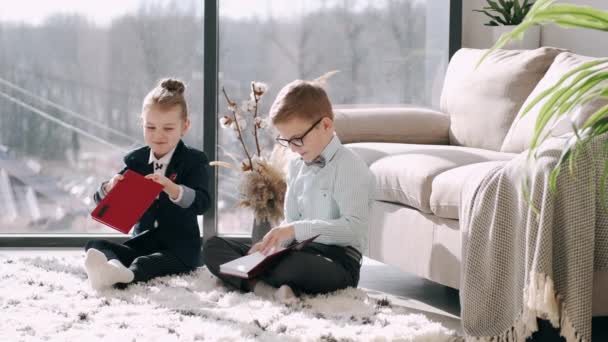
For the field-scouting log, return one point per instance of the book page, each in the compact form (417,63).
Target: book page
(244,264)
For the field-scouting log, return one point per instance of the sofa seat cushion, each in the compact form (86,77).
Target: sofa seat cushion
(446,188)
(404,173)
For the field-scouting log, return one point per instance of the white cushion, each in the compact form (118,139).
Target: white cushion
(447,186)
(412,125)
(483,100)
(521,132)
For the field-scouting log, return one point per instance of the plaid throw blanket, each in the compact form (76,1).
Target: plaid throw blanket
(521,262)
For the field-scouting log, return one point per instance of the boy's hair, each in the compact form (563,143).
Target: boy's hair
(167,94)
(301,99)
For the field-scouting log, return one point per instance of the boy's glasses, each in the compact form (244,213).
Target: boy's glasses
(297,141)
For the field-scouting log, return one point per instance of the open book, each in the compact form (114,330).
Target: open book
(253,264)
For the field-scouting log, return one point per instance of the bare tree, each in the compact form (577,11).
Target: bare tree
(353,27)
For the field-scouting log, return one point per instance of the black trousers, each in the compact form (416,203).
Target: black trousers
(147,260)
(316,268)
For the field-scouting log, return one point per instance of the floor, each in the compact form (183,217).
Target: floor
(438,303)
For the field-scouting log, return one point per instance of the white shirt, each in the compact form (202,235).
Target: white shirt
(159,167)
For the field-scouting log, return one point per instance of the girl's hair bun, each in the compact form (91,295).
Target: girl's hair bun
(173,85)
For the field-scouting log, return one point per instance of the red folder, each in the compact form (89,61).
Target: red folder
(124,205)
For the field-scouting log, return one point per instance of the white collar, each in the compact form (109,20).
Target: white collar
(164,160)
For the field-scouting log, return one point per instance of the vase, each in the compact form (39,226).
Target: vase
(260,228)
(531,39)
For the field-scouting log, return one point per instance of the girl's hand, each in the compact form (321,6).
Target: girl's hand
(112,182)
(274,239)
(169,187)
(160,179)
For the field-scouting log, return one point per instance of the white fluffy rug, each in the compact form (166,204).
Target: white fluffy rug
(48,299)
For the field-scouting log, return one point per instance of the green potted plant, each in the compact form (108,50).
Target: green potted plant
(505,15)
(578,87)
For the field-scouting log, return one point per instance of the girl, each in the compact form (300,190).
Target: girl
(167,237)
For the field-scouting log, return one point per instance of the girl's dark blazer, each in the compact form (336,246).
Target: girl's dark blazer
(166,225)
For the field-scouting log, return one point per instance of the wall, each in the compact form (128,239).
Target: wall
(582,41)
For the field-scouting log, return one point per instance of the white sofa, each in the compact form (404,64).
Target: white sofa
(421,157)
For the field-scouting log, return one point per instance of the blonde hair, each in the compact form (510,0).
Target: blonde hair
(167,94)
(302,99)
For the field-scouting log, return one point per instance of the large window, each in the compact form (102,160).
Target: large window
(73,75)
(389,52)
(72,78)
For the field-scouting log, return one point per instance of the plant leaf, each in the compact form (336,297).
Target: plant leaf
(525,187)
(582,98)
(494,17)
(596,117)
(549,109)
(554,174)
(506,10)
(518,13)
(586,85)
(546,93)
(577,91)
(499,8)
(516,7)
(600,127)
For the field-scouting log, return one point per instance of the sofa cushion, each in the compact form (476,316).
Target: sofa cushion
(521,132)
(483,101)
(446,188)
(404,173)
(407,124)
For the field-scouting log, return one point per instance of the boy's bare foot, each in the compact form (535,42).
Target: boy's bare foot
(285,295)
(263,290)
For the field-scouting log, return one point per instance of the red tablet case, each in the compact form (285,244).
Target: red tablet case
(124,205)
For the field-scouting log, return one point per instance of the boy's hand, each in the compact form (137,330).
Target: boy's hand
(112,182)
(275,238)
(256,247)
(169,187)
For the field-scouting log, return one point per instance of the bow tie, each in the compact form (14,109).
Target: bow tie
(319,161)
(158,166)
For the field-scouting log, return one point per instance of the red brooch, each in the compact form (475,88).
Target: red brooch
(173,176)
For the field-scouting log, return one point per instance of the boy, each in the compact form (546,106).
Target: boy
(328,193)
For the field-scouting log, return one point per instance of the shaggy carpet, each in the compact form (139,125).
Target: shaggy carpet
(49,299)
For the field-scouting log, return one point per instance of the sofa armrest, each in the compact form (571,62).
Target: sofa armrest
(412,125)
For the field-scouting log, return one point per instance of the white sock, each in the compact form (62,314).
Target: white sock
(121,273)
(94,263)
(103,273)
(285,295)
